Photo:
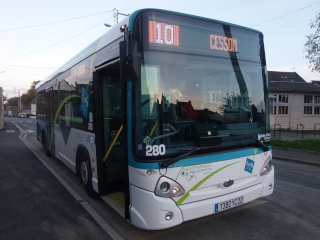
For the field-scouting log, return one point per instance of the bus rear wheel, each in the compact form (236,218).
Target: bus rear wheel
(44,144)
(85,178)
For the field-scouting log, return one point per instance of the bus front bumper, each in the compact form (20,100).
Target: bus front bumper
(149,211)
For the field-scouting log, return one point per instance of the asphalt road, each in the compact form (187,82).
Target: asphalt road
(33,204)
(41,207)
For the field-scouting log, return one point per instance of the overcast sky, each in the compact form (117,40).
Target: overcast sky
(38,36)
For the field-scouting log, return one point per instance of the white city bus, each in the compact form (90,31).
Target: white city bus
(165,117)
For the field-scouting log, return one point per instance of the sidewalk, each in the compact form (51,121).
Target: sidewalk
(294,155)
(297,156)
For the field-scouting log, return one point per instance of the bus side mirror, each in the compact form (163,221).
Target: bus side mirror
(129,67)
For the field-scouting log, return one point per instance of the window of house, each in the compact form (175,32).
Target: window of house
(272,101)
(279,104)
(214,96)
(311,104)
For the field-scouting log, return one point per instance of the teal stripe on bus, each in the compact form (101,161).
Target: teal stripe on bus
(189,161)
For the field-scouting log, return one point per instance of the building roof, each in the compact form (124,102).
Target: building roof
(293,87)
(284,77)
(290,82)
(316,82)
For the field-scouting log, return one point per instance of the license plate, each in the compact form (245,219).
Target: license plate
(219,207)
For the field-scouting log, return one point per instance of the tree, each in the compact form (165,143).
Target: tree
(13,101)
(26,98)
(312,45)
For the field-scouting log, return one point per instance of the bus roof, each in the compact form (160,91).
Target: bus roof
(110,36)
(107,38)
(138,12)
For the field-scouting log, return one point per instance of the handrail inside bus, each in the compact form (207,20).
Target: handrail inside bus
(112,144)
(153,128)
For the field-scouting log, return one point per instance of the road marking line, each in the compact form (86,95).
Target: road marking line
(10,131)
(30,131)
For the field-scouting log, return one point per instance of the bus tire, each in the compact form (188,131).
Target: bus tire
(44,144)
(85,178)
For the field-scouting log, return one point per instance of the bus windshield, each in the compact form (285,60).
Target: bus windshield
(208,90)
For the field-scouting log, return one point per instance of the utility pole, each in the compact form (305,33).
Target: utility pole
(116,16)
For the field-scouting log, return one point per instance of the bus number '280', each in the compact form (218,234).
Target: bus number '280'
(155,150)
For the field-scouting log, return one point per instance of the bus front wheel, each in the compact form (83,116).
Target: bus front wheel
(85,178)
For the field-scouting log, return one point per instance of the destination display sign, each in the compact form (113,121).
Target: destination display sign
(223,43)
(168,34)
(200,36)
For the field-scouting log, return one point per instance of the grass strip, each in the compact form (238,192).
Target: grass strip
(307,144)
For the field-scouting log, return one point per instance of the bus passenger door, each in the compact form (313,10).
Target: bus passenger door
(112,122)
(110,146)
(51,95)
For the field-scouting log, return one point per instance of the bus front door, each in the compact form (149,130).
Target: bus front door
(110,147)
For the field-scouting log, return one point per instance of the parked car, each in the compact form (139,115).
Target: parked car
(10,114)
(22,115)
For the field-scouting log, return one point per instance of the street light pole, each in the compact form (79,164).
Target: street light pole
(19,101)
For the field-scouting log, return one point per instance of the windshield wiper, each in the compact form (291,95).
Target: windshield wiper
(176,159)
(261,144)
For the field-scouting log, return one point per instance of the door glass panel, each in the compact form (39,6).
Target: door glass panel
(112,122)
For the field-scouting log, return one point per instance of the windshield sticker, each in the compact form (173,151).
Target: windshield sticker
(147,140)
(249,165)
(264,137)
(84,103)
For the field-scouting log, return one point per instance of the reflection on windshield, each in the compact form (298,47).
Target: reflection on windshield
(187,101)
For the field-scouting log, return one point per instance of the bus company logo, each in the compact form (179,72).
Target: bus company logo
(113,48)
(249,165)
(228,183)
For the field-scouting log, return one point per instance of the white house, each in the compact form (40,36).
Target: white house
(294,103)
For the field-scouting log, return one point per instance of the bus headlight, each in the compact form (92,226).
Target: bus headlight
(266,167)
(166,187)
